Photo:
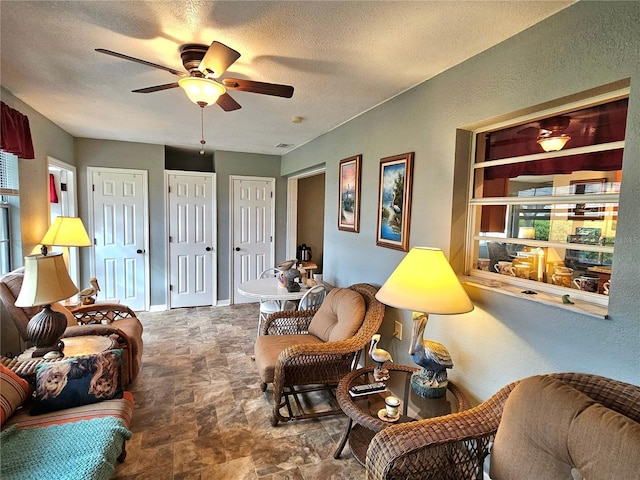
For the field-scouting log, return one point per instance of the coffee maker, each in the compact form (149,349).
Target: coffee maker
(304,253)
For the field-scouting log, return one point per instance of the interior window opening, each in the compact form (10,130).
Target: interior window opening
(550,216)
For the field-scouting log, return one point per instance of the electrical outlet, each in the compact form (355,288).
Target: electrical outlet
(397,332)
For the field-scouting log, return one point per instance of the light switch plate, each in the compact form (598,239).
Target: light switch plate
(397,332)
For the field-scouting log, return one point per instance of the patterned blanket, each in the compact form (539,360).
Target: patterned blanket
(83,450)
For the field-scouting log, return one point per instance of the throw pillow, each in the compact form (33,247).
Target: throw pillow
(14,391)
(77,381)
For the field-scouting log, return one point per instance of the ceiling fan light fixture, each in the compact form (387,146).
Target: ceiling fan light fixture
(553,143)
(201,91)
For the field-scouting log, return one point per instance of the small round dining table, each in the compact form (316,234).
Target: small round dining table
(269,289)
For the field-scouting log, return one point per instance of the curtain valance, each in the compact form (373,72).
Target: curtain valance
(16,134)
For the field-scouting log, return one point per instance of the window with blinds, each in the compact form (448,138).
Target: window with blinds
(8,174)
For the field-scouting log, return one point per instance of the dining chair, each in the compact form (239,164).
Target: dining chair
(313,298)
(267,307)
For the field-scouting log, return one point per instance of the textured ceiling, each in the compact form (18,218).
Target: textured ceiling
(343,58)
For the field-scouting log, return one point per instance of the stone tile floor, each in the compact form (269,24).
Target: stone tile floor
(200,413)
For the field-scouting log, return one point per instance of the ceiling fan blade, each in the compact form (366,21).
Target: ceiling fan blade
(156,88)
(227,103)
(263,88)
(218,58)
(143,62)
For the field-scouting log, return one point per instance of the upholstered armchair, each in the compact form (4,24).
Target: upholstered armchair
(114,320)
(555,426)
(301,351)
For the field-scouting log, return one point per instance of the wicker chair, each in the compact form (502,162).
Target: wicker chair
(302,368)
(455,446)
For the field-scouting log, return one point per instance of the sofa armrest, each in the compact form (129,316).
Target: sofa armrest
(457,443)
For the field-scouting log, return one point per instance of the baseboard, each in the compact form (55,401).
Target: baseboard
(158,308)
(223,303)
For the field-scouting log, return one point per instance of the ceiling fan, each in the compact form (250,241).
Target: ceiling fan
(550,132)
(201,82)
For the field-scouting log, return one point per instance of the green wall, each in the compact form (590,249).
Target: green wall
(585,46)
(137,156)
(255,165)
(48,140)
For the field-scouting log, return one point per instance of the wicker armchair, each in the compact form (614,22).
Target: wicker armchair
(455,446)
(307,364)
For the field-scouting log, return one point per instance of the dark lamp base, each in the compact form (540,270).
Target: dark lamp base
(424,385)
(45,329)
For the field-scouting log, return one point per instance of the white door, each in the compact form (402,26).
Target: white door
(120,225)
(253,223)
(192,255)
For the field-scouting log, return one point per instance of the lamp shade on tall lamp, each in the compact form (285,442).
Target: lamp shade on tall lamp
(66,232)
(425,283)
(46,281)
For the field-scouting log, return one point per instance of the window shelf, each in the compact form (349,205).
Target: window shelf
(545,298)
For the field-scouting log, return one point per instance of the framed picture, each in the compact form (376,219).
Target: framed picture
(587,211)
(394,201)
(349,194)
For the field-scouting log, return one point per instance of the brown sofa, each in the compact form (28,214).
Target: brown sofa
(570,426)
(114,320)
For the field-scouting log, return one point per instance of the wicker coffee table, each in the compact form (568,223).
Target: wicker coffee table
(362,411)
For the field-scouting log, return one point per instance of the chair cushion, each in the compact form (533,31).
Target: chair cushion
(14,391)
(604,444)
(269,306)
(339,316)
(531,442)
(269,347)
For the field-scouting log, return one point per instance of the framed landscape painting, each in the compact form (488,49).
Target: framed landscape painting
(349,194)
(394,201)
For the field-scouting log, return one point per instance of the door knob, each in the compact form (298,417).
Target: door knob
(208,249)
(237,249)
(139,251)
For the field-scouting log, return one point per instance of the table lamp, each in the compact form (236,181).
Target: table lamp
(46,281)
(425,283)
(65,232)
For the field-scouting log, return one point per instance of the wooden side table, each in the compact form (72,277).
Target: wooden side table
(363,410)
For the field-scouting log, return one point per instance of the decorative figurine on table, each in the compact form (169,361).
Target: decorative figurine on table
(87,295)
(380,356)
(289,274)
(434,358)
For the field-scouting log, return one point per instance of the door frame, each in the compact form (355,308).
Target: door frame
(214,224)
(292,208)
(72,199)
(232,178)
(145,213)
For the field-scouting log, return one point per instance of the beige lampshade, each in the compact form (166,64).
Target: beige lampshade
(527,232)
(425,282)
(201,91)
(46,281)
(66,232)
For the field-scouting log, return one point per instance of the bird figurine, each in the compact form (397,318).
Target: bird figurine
(380,356)
(433,357)
(87,295)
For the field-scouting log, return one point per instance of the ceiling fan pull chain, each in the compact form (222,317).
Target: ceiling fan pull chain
(202,140)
